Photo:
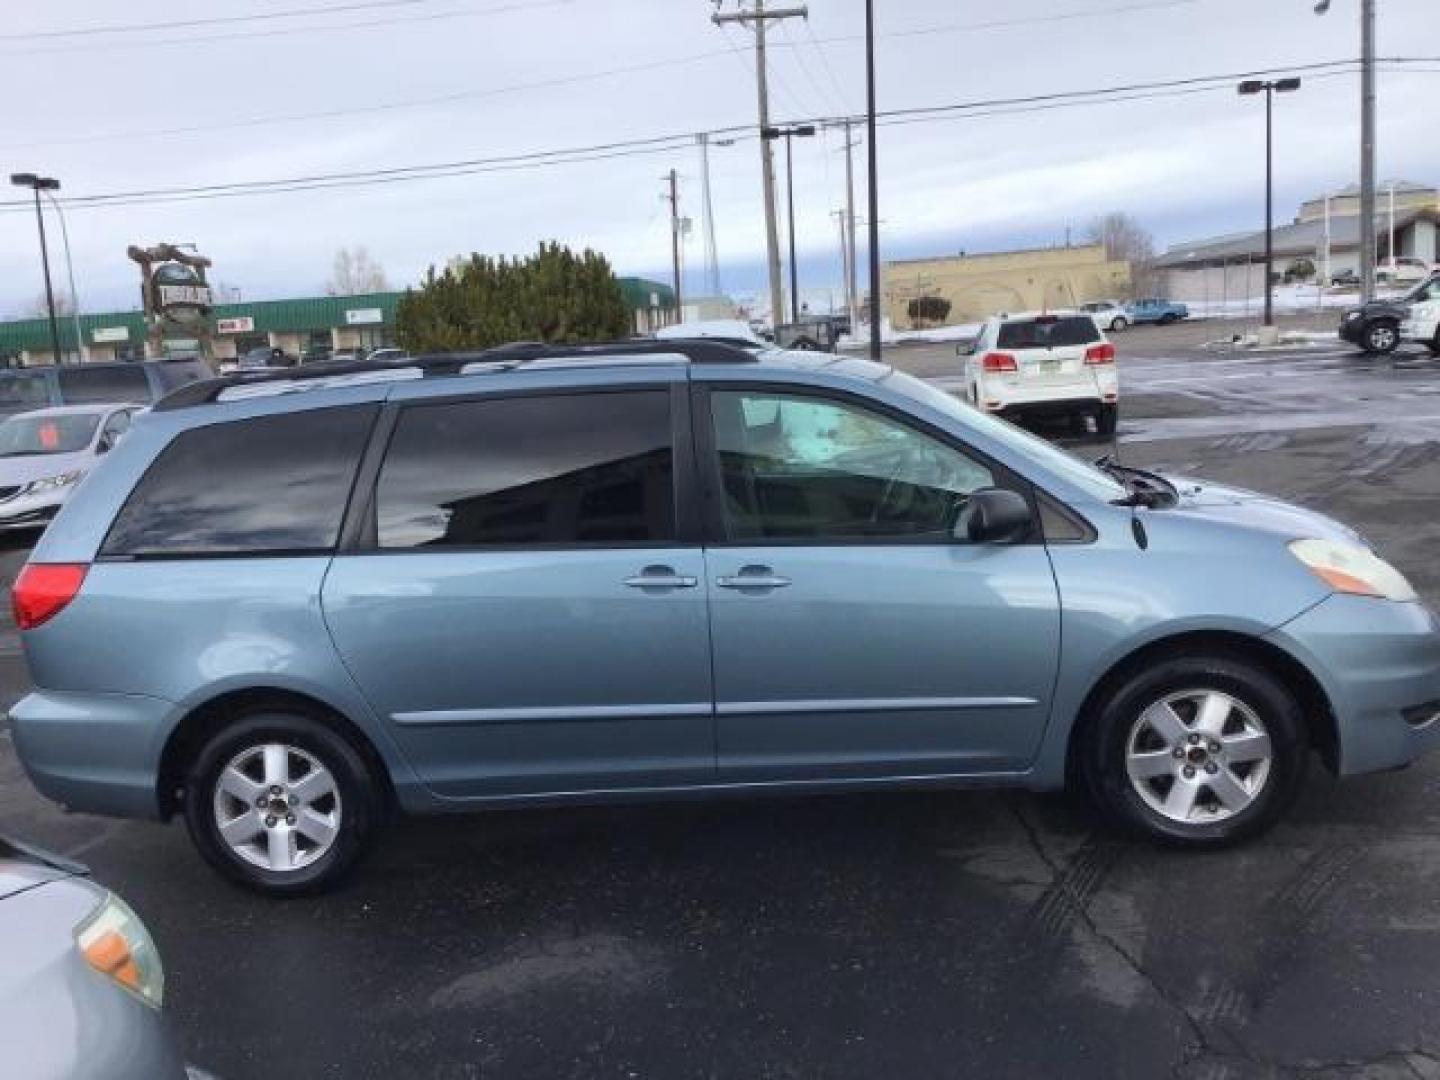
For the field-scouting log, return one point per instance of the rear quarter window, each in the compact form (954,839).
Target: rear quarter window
(81,384)
(272,485)
(1049,333)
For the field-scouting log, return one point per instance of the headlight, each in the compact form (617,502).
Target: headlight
(115,943)
(50,483)
(1350,569)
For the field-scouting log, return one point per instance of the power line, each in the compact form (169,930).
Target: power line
(214,20)
(287,32)
(682,141)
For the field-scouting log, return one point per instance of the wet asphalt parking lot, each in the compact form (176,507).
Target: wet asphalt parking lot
(940,934)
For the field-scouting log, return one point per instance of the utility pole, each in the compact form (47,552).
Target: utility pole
(38,184)
(874,176)
(852,290)
(711,253)
(759,16)
(1367,145)
(674,199)
(839,216)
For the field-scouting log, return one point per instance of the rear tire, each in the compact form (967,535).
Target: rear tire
(1107,419)
(1241,742)
(1119,324)
(281,803)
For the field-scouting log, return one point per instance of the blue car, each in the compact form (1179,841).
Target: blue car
(1155,310)
(292,603)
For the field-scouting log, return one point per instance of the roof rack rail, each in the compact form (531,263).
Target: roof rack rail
(507,357)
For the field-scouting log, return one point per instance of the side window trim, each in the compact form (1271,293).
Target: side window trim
(708,471)
(359,533)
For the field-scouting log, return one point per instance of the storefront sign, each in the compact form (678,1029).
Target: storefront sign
(239,324)
(102,334)
(367,316)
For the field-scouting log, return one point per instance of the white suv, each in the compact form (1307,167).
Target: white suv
(1422,323)
(1055,364)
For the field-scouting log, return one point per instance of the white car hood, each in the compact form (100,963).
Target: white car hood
(15,471)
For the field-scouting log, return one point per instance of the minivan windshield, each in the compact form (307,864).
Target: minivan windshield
(1073,469)
(1048,333)
(22,436)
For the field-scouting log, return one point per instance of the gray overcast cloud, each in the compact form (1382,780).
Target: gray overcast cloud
(393,83)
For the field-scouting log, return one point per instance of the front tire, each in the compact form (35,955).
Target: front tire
(1196,751)
(281,803)
(1381,337)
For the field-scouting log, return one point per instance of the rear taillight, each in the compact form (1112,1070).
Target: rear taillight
(999,361)
(1104,353)
(42,590)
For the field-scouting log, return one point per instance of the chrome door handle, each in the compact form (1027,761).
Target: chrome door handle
(661,577)
(753,577)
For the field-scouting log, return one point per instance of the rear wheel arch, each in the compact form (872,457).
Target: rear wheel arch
(209,717)
(1309,694)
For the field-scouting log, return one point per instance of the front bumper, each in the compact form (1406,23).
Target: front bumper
(32,511)
(1379,664)
(99,753)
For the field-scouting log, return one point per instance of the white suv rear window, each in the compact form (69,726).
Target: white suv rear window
(1043,333)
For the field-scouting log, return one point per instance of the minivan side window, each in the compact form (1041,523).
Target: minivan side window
(811,468)
(80,384)
(29,390)
(562,469)
(268,485)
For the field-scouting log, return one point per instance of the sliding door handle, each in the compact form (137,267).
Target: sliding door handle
(661,577)
(753,577)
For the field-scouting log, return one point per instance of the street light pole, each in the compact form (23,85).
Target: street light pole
(1270,89)
(38,184)
(802,131)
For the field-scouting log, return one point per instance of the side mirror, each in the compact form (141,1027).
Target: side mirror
(105,445)
(994,516)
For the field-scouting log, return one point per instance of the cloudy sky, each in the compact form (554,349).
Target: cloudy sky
(231,91)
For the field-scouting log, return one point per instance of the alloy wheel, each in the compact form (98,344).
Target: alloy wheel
(277,807)
(1198,756)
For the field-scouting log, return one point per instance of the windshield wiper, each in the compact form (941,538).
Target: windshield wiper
(1145,488)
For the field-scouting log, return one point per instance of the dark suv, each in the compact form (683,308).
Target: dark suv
(1375,327)
(140,381)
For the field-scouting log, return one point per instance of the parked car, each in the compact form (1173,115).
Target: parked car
(1376,327)
(1156,310)
(1422,315)
(144,381)
(1044,364)
(264,356)
(1108,314)
(44,454)
(816,334)
(1345,279)
(82,987)
(673,569)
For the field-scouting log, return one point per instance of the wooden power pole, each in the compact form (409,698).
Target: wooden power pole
(759,16)
(674,199)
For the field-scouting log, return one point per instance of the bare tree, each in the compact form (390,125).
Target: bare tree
(354,272)
(1126,240)
(39,308)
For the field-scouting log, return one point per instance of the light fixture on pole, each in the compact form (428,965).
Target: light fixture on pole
(798,131)
(1269,88)
(80,349)
(38,184)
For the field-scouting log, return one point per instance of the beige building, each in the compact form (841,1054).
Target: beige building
(978,286)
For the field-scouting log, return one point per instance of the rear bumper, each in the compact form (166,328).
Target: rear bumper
(1053,407)
(99,753)
(1379,664)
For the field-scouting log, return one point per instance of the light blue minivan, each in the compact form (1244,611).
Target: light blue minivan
(289,604)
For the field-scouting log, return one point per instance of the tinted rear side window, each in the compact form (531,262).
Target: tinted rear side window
(568,469)
(274,484)
(1048,333)
(118,382)
(23,390)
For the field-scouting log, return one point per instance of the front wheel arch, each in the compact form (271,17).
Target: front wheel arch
(204,720)
(1314,702)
